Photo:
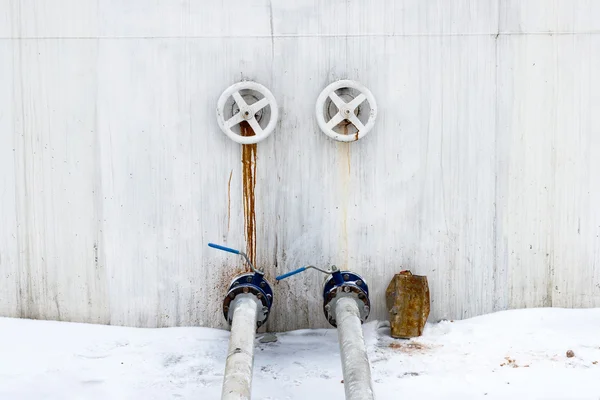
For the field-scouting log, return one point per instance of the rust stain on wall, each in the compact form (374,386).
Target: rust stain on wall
(229,200)
(348,159)
(248,183)
(343,199)
(345,128)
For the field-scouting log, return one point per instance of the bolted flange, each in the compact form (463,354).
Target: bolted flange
(249,283)
(345,284)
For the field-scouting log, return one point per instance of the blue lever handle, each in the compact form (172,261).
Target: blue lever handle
(294,272)
(217,246)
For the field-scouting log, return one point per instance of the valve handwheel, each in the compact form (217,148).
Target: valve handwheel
(247,112)
(349,110)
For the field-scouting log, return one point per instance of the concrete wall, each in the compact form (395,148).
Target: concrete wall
(482,171)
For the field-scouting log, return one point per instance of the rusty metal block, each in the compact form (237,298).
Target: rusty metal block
(407,299)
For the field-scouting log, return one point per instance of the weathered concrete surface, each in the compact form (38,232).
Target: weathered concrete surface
(481,171)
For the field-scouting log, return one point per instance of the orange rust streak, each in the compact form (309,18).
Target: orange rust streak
(347,147)
(229,200)
(348,156)
(249,183)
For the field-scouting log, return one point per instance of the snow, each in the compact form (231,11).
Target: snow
(512,354)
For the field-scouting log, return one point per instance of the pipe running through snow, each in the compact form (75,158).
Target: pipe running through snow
(237,381)
(355,364)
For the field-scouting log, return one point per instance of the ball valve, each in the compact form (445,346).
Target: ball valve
(340,284)
(246,307)
(252,103)
(248,283)
(346,110)
(346,306)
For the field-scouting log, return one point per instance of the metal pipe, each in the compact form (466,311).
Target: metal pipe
(237,380)
(355,364)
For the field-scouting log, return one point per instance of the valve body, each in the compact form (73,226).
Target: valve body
(345,284)
(249,283)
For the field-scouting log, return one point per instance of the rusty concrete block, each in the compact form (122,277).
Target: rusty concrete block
(407,299)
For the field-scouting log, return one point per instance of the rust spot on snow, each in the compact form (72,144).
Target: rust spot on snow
(249,183)
(512,363)
(570,353)
(409,347)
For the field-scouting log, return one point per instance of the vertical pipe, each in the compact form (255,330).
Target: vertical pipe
(237,380)
(355,364)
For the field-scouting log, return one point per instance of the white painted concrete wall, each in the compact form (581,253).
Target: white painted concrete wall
(482,171)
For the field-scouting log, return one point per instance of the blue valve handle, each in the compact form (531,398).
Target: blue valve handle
(294,272)
(218,246)
(234,251)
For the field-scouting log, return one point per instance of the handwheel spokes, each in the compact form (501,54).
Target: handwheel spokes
(236,119)
(239,100)
(337,118)
(247,112)
(357,101)
(259,105)
(252,108)
(255,126)
(346,110)
(356,122)
(351,106)
(337,100)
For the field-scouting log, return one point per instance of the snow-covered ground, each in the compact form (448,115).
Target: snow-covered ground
(507,355)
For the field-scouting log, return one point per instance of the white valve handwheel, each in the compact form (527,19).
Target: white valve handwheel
(247,112)
(346,110)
